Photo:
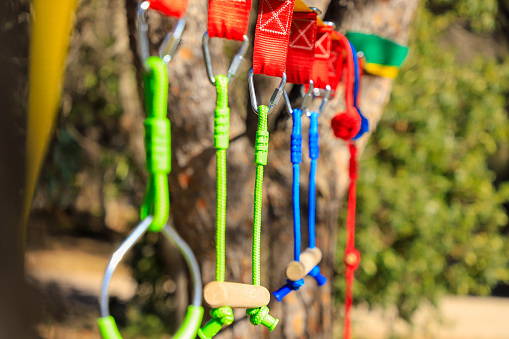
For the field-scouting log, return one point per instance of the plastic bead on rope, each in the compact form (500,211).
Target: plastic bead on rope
(346,125)
(155,209)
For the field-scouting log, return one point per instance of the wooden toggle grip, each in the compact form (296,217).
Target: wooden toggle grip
(308,259)
(235,295)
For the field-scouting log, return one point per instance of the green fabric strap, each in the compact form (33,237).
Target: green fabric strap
(221,141)
(378,50)
(157,144)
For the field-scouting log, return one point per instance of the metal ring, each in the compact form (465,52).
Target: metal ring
(276,95)
(115,260)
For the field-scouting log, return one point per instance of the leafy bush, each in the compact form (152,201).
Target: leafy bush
(428,213)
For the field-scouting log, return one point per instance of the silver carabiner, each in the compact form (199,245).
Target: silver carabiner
(276,95)
(313,93)
(234,66)
(170,43)
(287,102)
(307,98)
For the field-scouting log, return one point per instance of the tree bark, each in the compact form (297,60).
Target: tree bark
(310,311)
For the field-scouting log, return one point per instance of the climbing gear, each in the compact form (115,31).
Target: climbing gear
(235,64)
(346,126)
(225,20)
(170,42)
(154,211)
(383,57)
(107,326)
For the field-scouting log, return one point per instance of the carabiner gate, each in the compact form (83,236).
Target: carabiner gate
(170,42)
(234,66)
(276,95)
(311,94)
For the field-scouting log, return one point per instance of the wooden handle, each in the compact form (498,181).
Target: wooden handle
(235,295)
(308,259)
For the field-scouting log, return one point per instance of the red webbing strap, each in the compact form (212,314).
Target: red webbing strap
(299,63)
(352,256)
(335,62)
(228,18)
(320,73)
(272,36)
(174,8)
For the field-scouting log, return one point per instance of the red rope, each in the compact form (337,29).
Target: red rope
(352,256)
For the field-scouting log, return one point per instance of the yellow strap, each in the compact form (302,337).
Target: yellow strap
(51,28)
(300,6)
(382,70)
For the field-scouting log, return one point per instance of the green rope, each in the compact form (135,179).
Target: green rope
(157,144)
(260,315)
(221,136)
(261,149)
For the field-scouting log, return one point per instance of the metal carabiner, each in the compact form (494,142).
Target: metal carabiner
(276,95)
(170,42)
(306,98)
(313,93)
(234,66)
(194,314)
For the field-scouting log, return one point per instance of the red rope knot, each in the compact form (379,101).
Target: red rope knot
(352,258)
(347,124)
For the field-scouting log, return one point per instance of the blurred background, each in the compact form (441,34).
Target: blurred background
(433,194)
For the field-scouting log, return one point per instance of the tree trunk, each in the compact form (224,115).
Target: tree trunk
(310,311)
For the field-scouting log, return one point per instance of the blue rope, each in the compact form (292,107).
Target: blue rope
(364,121)
(314,151)
(296,156)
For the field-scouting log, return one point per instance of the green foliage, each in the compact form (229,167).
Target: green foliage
(428,214)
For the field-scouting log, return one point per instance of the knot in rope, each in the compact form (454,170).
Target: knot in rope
(256,315)
(347,124)
(352,258)
(223,314)
(295,285)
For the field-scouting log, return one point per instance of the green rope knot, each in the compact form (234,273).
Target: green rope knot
(260,315)
(223,314)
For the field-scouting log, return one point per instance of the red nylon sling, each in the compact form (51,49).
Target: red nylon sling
(272,36)
(299,63)
(228,18)
(322,50)
(173,8)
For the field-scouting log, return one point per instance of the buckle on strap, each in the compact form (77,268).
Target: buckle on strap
(235,64)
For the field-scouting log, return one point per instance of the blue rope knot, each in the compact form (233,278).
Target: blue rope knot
(256,315)
(224,314)
(295,285)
